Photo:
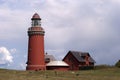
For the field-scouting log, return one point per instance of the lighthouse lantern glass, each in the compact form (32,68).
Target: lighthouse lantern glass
(35,23)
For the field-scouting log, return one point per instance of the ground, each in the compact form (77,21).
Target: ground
(96,74)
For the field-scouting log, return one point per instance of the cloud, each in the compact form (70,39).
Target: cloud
(13,50)
(84,25)
(23,66)
(5,56)
(20,66)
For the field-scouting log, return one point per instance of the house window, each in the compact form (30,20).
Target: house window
(47,60)
(83,57)
(71,60)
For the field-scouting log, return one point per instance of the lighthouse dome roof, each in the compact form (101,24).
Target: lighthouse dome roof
(36,16)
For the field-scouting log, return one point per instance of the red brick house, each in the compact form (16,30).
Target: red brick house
(79,60)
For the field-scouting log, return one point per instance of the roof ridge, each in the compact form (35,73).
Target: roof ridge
(78,51)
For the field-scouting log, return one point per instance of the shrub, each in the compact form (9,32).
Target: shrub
(103,66)
(86,67)
(118,64)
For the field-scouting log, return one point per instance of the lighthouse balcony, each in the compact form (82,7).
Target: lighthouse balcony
(37,28)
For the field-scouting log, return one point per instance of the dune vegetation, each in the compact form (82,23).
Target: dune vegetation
(96,74)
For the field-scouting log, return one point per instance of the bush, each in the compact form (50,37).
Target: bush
(103,66)
(86,67)
(118,64)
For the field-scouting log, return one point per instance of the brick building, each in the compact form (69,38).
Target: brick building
(36,45)
(79,60)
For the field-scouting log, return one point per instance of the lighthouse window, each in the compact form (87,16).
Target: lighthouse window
(36,23)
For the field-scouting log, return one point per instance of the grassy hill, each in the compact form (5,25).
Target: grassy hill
(97,74)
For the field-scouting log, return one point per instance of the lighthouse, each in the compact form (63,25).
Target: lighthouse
(36,60)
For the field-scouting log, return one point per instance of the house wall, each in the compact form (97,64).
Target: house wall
(72,62)
(60,68)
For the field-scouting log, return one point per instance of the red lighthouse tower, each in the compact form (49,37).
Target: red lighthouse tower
(36,59)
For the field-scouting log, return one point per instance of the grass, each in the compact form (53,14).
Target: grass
(97,74)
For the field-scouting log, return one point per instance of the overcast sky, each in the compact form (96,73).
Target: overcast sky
(81,25)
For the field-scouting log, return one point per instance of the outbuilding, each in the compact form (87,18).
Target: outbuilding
(57,65)
(49,58)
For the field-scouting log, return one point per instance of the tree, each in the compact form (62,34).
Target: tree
(118,64)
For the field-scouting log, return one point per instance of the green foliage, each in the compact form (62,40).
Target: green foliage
(118,64)
(104,66)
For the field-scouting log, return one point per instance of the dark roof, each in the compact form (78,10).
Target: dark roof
(36,17)
(79,56)
(51,57)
